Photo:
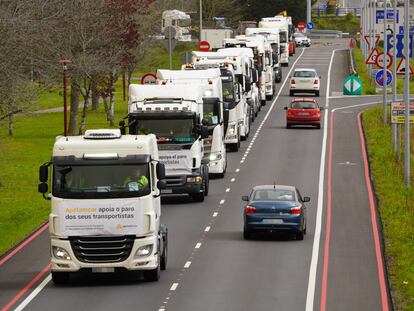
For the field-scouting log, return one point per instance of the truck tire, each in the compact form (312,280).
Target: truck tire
(154,274)
(269,97)
(206,184)
(60,278)
(263,102)
(198,197)
(164,256)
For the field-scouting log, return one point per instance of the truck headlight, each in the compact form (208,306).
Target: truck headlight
(60,253)
(215,156)
(144,251)
(194,179)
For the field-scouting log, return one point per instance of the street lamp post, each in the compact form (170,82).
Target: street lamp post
(65,106)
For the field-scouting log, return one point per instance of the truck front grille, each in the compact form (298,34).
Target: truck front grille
(175,181)
(102,249)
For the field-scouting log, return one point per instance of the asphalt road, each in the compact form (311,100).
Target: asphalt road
(336,267)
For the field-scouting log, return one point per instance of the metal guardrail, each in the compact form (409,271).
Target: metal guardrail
(328,12)
(323,33)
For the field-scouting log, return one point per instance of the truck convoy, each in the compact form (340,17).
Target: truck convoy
(174,113)
(180,21)
(106,210)
(213,115)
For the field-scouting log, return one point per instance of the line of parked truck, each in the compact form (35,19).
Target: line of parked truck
(106,184)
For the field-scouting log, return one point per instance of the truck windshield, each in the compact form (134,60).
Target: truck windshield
(283,37)
(211,112)
(184,22)
(101,181)
(168,130)
(228,89)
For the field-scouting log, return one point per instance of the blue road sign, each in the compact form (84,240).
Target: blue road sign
(390,16)
(399,44)
(379,77)
(323,5)
(310,25)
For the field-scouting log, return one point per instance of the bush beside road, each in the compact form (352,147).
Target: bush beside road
(396,208)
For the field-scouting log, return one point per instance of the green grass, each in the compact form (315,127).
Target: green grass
(347,23)
(396,208)
(22,207)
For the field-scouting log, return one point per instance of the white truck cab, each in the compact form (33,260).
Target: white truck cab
(213,112)
(281,24)
(105,204)
(174,113)
(180,21)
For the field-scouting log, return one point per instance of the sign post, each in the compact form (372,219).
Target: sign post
(170,41)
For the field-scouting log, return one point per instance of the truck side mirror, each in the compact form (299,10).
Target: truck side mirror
(248,84)
(204,132)
(43,189)
(122,127)
(206,121)
(160,171)
(44,173)
(161,184)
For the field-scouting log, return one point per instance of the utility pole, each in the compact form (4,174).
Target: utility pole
(384,85)
(309,11)
(201,18)
(394,73)
(407,155)
(65,62)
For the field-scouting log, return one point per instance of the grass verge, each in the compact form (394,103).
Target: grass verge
(396,208)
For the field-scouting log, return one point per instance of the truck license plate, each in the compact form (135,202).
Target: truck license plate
(103,270)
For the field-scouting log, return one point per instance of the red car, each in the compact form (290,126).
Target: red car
(303,111)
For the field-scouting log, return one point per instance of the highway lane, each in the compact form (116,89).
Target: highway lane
(210,266)
(185,221)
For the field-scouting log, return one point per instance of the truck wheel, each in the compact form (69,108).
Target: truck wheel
(60,278)
(269,97)
(234,147)
(154,274)
(164,256)
(198,197)
(263,102)
(206,184)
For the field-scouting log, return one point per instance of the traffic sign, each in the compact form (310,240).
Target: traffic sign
(352,85)
(401,67)
(372,57)
(399,44)
(379,78)
(380,60)
(367,39)
(390,16)
(398,112)
(204,46)
(301,25)
(149,78)
(310,25)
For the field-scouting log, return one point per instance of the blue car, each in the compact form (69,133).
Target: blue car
(275,208)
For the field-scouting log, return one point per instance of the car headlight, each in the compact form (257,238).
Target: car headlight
(144,251)
(215,156)
(60,253)
(194,179)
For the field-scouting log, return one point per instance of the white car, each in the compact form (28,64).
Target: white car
(301,39)
(304,80)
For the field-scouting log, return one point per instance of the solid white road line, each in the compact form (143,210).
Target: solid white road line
(310,297)
(34,293)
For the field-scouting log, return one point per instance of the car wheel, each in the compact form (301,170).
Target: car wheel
(164,256)
(60,278)
(288,126)
(300,235)
(317,93)
(247,235)
(291,93)
(318,126)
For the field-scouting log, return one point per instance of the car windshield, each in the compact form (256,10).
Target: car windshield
(304,74)
(101,181)
(274,195)
(168,130)
(303,105)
